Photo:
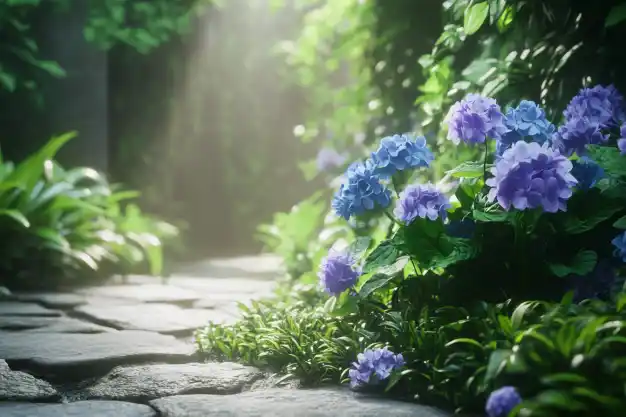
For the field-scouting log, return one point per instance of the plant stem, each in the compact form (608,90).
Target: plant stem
(485,160)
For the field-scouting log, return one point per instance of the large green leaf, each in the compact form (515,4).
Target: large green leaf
(16,216)
(375,282)
(471,169)
(383,255)
(475,16)
(609,158)
(620,223)
(616,15)
(583,263)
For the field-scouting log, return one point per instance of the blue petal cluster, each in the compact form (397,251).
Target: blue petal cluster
(597,284)
(621,142)
(530,176)
(328,158)
(576,134)
(603,106)
(502,401)
(421,200)
(360,191)
(400,152)
(526,121)
(620,246)
(474,119)
(373,366)
(587,172)
(337,273)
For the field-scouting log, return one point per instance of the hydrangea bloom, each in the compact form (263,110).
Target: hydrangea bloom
(337,273)
(328,158)
(400,152)
(529,176)
(373,366)
(474,119)
(599,105)
(421,200)
(621,142)
(360,191)
(587,172)
(502,401)
(620,244)
(576,134)
(527,120)
(597,284)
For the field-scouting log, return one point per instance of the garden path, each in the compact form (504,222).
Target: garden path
(124,349)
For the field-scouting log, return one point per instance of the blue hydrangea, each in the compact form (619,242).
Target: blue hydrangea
(587,172)
(603,106)
(400,152)
(373,366)
(502,401)
(421,200)
(529,176)
(597,284)
(621,142)
(526,121)
(337,272)
(474,119)
(360,191)
(620,246)
(328,158)
(461,228)
(576,134)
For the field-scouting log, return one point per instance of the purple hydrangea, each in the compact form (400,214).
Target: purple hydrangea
(502,401)
(621,142)
(373,366)
(328,158)
(526,121)
(337,273)
(603,106)
(400,152)
(576,134)
(360,191)
(530,176)
(587,172)
(620,246)
(421,200)
(474,119)
(597,284)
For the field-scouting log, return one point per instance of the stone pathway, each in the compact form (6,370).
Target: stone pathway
(123,350)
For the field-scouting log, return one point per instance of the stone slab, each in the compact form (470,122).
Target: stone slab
(49,325)
(288,403)
(148,293)
(20,386)
(61,301)
(77,409)
(16,308)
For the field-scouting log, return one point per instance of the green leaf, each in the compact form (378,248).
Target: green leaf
(616,15)
(609,158)
(475,16)
(470,169)
(620,223)
(17,216)
(493,216)
(505,19)
(384,255)
(583,263)
(360,245)
(329,305)
(465,341)
(375,282)
(8,81)
(346,304)
(497,361)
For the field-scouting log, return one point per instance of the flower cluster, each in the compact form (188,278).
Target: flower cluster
(620,246)
(361,191)
(373,366)
(621,142)
(599,105)
(474,119)
(576,134)
(421,200)
(502,401)
(400,152)
(587,172)
(530,176)
(337,273)
(328,158)
(527,120)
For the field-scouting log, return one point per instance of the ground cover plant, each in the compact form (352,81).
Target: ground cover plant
(498,288)
(65,226)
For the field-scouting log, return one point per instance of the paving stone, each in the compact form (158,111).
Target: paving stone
(147,382)
(257,267)
(161,318)
(288,403)
(20,386)
(79,356)
(62,301)
(205,288)
(15,308)
(5,293)
(50,325)
(229,300)
(77,409)
(149,293)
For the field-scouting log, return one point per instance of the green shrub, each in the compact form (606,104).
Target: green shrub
(70,224)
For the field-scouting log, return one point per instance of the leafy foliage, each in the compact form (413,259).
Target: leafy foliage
(64,224)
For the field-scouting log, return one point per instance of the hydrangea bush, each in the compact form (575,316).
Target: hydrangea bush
(542,216)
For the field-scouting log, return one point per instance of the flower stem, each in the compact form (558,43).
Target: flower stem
(485,160)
